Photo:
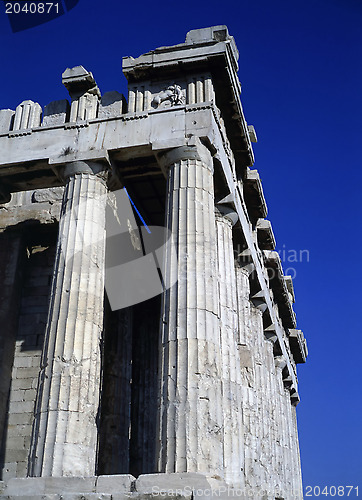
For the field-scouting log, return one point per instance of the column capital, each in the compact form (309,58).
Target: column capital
(70,163)
(280,362)
(192,150)
(258,301)
(245,262)
(226,213)
(270,334)
(245,268)
(84,167)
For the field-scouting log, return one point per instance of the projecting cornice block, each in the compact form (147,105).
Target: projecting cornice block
(266,239)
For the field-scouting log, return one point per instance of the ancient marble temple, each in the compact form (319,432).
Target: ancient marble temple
(130,367)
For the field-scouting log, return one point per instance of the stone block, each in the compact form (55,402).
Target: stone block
(18,395)
(55,211)
(21,418)
(6,118)
(111,105)
(87,496)
(56,113)
(19,430)
(51,195)
(21,469)
(67,485)
(15,456)
(35,360)
(265,235)
(115,483)
(27,372)
(174,482)
(21,406)
(23,362)
(27,115)
(212,33)
(183,486)
(30,497)
(21,384)
(63,486)
(9,471)
(30,394)
(245,356)
(15,443)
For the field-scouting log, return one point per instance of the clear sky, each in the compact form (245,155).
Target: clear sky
(300,69)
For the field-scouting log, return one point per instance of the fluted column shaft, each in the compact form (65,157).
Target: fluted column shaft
(64,441)
(258,469)
(243,304)
(245,348)
(272,402)
(231,369)
(190,412)
(281,462)
(297,476)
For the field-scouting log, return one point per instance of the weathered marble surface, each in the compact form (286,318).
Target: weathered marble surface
(229,343)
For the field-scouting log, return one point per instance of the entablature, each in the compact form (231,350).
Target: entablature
(212,50)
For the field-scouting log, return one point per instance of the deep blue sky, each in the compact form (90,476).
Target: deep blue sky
(300,69)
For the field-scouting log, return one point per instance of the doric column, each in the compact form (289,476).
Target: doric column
(297,476)
(283,458)
(244,304)
(271,402)
(257,466)
(190,410)
(231,369)
(294,480)
(64,441)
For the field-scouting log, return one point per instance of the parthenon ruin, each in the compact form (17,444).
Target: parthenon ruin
(148,343)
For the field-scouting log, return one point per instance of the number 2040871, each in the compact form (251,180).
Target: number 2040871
(331,491)
(31,8)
